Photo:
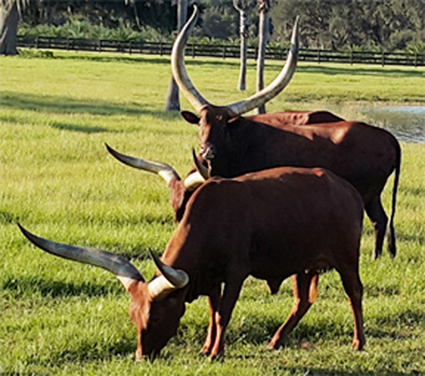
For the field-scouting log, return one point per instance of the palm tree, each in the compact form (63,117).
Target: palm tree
(263,31)
(172,102)
(10,11)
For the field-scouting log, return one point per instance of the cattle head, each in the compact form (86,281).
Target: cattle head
(156,306)
(215,122)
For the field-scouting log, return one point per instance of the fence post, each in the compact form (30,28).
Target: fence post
(129,47)
(224,52)
(160,48)
(383,58)
(193,50)
(36,42)
(318,56)
(351,57)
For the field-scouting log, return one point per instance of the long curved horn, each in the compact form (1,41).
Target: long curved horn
(178,66)
(278,84)
(162,169)
(125,271)
(238,108)
(170,280)
(203,171)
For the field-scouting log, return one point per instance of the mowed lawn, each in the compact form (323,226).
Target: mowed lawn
(56,178)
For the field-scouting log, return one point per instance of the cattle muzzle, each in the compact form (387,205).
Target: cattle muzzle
(208,151)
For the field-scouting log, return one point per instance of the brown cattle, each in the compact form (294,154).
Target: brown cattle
(362,154)
(271,224)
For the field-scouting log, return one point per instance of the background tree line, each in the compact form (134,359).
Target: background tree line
(328,24)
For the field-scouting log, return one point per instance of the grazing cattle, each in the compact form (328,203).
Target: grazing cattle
(362,154)
(270,224)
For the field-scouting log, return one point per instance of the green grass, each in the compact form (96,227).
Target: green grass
(64,318)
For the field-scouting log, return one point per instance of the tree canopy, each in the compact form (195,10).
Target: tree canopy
(330,24)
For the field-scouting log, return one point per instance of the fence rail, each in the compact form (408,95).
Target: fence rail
(222,51)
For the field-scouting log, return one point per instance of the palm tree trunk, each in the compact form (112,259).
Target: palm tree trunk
(9,17)
(243,35)
(172,102)
(263,31)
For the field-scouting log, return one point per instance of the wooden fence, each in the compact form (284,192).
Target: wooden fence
(222,51)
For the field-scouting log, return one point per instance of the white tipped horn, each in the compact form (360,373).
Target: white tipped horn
(277,85)
(178,66)
(162,169)
(125,271)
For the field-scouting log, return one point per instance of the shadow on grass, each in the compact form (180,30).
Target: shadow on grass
(68,105)
(356,71)
(258,329)
(157,60)
(85,352)
(306,68)
(25,286)
(78,128)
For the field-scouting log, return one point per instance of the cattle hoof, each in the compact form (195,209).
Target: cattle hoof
(204,353)
(138,356)
(377,254)
(217,358)
(358,345)
(392,251)
(273,346)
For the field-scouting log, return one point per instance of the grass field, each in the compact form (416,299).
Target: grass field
(64,318)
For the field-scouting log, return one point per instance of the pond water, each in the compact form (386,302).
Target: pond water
(407,123)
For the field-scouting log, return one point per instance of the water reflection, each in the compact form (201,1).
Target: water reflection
(407,123)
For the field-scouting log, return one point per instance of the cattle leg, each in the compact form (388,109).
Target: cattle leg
(139,354)
(214,303)
(354,289)
(304,286)
(379,219)
(222,317)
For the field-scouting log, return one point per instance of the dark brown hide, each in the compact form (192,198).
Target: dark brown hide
(296,118)
(271,225)
(362,154)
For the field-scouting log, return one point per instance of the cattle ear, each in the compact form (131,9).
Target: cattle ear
(190,117)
